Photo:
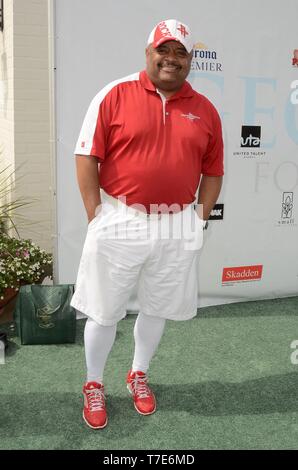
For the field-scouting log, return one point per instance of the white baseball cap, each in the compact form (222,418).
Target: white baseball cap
(171,30)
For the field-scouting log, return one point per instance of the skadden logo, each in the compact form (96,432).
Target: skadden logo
(251,136)
(205,59)
(242,274)
(217,212)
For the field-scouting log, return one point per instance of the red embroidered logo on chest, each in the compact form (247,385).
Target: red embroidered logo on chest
(190,116)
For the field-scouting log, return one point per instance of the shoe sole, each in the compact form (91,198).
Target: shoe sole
(143,414)
(95,427)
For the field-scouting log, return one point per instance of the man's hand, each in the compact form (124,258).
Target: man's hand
(87,175)
(209,191)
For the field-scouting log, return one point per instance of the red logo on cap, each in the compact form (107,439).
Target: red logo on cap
(161,31)
(182,30)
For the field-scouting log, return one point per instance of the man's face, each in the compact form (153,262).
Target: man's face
(168,65)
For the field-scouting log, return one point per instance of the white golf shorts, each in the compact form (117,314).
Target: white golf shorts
(156,253)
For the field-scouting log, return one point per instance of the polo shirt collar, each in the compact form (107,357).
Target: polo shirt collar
(185,91)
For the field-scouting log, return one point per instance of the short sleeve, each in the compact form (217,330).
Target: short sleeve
(213,164)
(92,138)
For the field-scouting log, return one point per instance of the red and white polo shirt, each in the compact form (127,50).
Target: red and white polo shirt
(152,150)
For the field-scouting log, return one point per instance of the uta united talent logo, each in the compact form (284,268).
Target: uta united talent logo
(251,136)
(251,141)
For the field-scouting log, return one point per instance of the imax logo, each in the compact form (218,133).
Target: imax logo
(250,136)
(217,212)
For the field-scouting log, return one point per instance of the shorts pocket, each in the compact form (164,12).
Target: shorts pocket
(196,224)
(95,219)
(201,221)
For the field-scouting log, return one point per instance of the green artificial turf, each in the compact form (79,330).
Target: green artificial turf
(223,380)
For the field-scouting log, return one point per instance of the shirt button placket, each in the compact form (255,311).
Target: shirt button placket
(167,113)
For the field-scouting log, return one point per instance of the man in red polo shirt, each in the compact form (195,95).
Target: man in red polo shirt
(149,141)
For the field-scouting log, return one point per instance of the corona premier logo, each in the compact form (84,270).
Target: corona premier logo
(205,60)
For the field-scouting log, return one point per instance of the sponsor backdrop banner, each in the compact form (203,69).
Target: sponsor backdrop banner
(245,59)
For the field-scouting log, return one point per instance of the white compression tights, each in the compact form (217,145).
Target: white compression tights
(100,339)
(147,334)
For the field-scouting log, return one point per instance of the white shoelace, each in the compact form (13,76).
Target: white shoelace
(140,387)
(96,399)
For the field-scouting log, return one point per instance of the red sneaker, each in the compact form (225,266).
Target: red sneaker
(144,399)
(94,413)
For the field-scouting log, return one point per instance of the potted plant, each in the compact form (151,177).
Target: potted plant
(21,262)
